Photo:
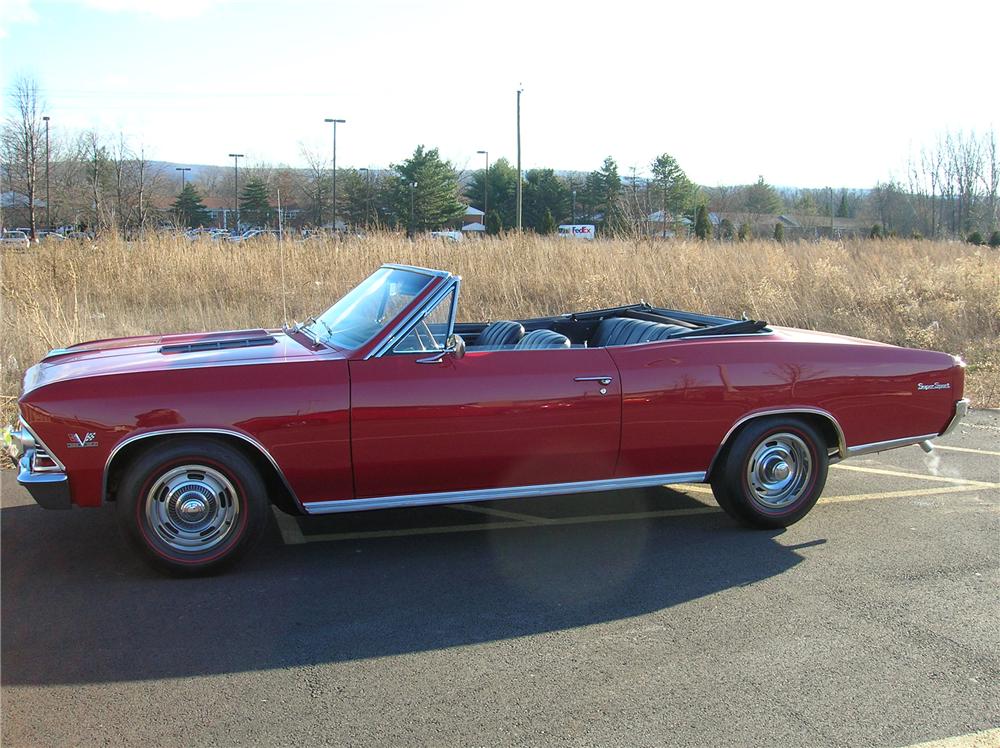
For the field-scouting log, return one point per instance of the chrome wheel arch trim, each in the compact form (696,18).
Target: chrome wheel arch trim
(492,494)
(195,431)
(842,449)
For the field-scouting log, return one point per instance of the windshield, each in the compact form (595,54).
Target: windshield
(365,311)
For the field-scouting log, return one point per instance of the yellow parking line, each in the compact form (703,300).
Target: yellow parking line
(488,510)
(897,494)
(917,476)
(967,449)
(982,739)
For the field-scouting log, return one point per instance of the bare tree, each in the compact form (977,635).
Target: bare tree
(23,141)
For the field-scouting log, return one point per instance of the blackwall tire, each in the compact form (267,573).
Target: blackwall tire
(192,506)
(772,473)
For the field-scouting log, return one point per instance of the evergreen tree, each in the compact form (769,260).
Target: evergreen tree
(995,239)
(779,232)
(544,193)
(843,211)
(189,208)
(674,193)
(702,226)
(502,181)
(745,232)
(435,197)
(548,223)
(976,238)
(761,198)
(605,187)
(255,208)
(726,229)
(493,223)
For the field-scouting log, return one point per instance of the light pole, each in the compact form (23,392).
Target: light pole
(236,182)
(486,185)
(413,186)
(368,191)
(48,209)
(183,170)
(574,207)
(519,91)
(335,123)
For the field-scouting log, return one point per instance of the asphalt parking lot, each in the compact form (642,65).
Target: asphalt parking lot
(634,618)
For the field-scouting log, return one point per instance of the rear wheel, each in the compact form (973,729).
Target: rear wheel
(192,507)
(772,473)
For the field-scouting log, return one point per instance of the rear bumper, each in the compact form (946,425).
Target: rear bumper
(49,490)
(961,409)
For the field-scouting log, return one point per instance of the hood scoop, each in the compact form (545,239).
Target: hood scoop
(219,345)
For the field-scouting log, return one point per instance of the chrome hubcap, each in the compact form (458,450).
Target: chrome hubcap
(779,471)
(192,508)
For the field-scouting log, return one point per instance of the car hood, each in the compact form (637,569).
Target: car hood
(165,352)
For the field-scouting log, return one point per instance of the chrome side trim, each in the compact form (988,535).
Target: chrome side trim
(842,451)
(906,441)
(961,411)
(489,494)
(399,331)
(223,432)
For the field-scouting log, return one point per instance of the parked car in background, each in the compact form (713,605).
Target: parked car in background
(385,401)
(50,236)
(15,239)
(254,235)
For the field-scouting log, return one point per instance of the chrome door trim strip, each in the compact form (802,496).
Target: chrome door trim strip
(906,441)
(491,494)
(224,432)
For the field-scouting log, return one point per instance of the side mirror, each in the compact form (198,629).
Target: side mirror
(456,345)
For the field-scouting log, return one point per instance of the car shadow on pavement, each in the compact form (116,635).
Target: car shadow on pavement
(79,607)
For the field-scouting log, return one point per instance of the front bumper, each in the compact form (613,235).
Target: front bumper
(49,490)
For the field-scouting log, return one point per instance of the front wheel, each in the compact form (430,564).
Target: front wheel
(772,473)
(191,507)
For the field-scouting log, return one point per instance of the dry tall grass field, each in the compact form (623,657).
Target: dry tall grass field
(938,295)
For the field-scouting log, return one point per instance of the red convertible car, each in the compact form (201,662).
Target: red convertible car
(384,401)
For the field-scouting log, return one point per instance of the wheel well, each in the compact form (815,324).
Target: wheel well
(825,425)
(277,491)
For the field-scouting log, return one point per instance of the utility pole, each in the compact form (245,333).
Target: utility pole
(486,185)
(48,203)
(519,91)
(183,170)
(410,233)
(368,192)
(236,182)
(335,123)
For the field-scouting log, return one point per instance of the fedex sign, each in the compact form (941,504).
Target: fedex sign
(577,231)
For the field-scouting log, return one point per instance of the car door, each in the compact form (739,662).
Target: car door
(488,419)
(434,423)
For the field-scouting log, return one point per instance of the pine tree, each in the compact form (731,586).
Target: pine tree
(745,232)
(502,181)
(493,223)
(548,225)
(702,226)
(435,197)
(674,193)
(779,232)
(255,208)
(995,239)
(189,208)
(843,211)
(726,229)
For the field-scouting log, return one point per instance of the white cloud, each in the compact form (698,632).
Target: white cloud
(15,11)
(159,8)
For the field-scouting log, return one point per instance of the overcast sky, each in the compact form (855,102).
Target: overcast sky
(806,94)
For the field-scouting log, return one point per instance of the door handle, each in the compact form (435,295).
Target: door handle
(605,380)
